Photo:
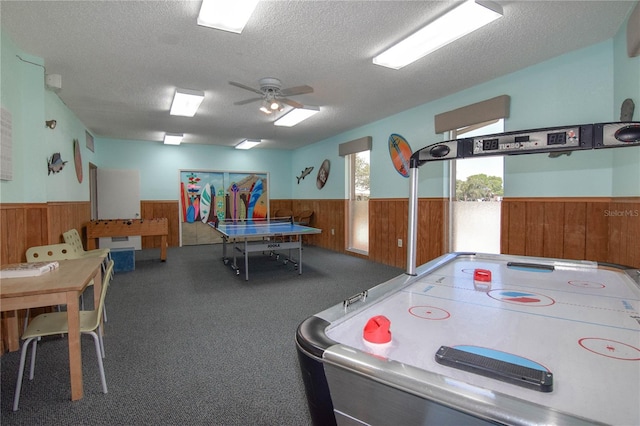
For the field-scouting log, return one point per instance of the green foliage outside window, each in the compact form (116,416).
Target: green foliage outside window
(479,188)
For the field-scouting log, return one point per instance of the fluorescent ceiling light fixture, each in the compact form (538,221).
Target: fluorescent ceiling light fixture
(173,138)
(226,15)
(296,115)
(464,19)
(248,143)
(186,102)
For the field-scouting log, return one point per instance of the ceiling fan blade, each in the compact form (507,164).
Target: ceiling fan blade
(291,103)
(242,86)
(298,90)
(247,101)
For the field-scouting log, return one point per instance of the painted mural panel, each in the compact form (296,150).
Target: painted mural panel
(213,196)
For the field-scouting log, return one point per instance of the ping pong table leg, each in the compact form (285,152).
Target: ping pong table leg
(224,251)
(300,256)
(246,260)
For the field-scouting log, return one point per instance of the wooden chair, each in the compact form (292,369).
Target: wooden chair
(304,217)
(283,213)
(56,323)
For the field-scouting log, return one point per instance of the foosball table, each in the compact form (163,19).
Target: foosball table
(129,227)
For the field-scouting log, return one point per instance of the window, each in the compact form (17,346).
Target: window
(358,206)
(476,188)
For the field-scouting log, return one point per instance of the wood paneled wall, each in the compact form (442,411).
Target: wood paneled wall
(21,226)
(24,225)
(327,215)
(599,229)
(388,223)
(27,225)
(67,215)
(388,220)
(155,209)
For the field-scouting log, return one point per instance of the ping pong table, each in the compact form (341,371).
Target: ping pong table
(261,236)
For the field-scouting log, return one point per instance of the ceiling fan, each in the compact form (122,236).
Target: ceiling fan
(272,95)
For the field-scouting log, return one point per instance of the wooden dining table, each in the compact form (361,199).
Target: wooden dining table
(62,286)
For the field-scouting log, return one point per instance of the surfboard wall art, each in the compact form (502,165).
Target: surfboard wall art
(400,153)
(184,201)
(193,188)
(323,174)
(206,201)
(77,158)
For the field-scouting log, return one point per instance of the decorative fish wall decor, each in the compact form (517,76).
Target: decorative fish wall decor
(55,164)
(304,174)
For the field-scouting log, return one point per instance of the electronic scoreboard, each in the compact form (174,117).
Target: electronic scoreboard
(552,139)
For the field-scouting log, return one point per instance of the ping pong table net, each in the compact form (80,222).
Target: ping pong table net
(254,221)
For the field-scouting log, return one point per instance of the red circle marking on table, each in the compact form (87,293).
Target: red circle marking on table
(429,313)
(610,348)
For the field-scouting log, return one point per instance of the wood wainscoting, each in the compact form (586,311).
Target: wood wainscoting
(602,229)
(598,229)
(388,220)
(150,209)
(327,215)
(388,223)
(26,225)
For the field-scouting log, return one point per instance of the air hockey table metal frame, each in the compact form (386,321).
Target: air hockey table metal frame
(351,382)
(348,386)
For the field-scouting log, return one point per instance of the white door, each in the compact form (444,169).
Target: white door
(118,195)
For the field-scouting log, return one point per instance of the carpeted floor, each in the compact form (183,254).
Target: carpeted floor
(188,341)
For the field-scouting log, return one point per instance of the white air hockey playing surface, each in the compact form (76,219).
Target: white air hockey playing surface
(579,320)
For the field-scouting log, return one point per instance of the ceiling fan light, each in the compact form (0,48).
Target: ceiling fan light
(265,107)
(186,102)
(248,143)
(296,116)
(226,15)
(275,105)
(462,20)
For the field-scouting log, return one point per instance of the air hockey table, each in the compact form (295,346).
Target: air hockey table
(476,339)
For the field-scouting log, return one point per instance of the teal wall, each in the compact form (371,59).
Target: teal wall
(23,94)
(625,162)
(584,86)
(575,88)
(159,164)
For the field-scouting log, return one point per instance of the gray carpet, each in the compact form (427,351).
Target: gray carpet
(188,341)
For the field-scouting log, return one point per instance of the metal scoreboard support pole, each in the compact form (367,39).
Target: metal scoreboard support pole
(412,240)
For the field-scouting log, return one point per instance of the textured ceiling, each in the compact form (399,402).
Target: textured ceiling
(121,61)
